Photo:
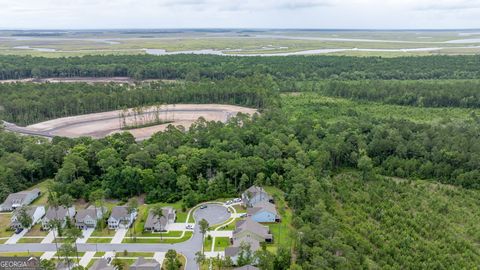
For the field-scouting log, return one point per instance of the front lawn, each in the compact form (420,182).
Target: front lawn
(36,231)
(135,254)
(99,240)
(29,240)
(104,232)
(152,240)
(20,254)
(5,225)
(221,243)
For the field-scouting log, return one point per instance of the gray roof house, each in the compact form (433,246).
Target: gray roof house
(263,212)
(57,213)
(234,251)
(19,199)
(249,228)
(254,195)
(120,218)
(34,212)
(87,218)
(247,267)
(144,264)
(159,224)
(101,264)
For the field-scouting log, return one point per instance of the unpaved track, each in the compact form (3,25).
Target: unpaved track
(99,125)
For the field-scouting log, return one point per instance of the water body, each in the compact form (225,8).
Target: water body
(304,52)
(464,41)
(35,49)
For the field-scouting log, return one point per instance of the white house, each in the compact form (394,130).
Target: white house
(263,212)
(254,195)
(88,218)
(34,212)
(19,199)
(120,218)
(60,213)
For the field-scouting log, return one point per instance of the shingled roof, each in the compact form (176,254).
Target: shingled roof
(252,226)
(263,205)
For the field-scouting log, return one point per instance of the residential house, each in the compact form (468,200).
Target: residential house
(144,264)
(263,212)
(57,213)
(19,199)
(249,228)
(255,195)
(34,212)
(234,251)
(120,218)
(247,267)
(101,264)
(88,218)
(160,224)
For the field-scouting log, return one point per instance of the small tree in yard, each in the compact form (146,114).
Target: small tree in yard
(172,261)
(203,227)
(24,219)
(157,213)
(131,208)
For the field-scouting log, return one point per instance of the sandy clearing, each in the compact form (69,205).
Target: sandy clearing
(99,125)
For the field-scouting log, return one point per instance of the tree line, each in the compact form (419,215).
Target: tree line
(194,67)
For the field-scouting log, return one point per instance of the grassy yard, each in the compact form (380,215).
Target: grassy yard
(158,240)
(240,209)
(207,244)
(157,234)
(42,199)
(36,231)
(20,254)
(282,232)
(99,254)
(29,240)
(221,243)
(104,232)
(99,240)
(135,254)
(5,224)
(143,214)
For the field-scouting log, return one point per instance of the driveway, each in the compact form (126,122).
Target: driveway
(86,234)
(119,235)
(15,237)
(214,214)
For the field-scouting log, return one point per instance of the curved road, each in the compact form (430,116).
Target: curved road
(214,214)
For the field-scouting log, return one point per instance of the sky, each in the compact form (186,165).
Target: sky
(319,14)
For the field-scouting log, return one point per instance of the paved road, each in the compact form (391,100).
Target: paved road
(214,214)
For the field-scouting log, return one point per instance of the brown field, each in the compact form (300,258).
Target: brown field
(99,125)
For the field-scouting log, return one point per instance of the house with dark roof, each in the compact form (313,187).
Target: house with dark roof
(255,195)
(263,212)
(144,264)
(101,264)
(88,218)
(19,199)
(34,212)
(156,224)
(121,218)
(57,213)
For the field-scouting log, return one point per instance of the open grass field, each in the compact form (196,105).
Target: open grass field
(244,42)
(283,231)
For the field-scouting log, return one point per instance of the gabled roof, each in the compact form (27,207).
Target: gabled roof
(262,206)
(142,263)
(247,267)
(235,249)
(57,212)
(256,190)
(168,213)
(19,197)
(119,212)
(101,264)
(252,226)
(91,212)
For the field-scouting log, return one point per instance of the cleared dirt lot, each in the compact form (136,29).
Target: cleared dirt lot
(99,125)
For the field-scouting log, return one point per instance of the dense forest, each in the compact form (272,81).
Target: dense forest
(194,67)
(350,162)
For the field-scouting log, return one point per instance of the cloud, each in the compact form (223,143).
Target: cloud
(447,5)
